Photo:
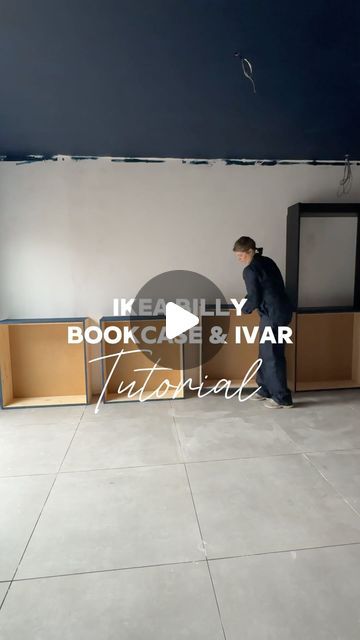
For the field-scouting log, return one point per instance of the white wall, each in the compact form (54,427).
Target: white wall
(76,234)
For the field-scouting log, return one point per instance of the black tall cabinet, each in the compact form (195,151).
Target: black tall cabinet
(323,282)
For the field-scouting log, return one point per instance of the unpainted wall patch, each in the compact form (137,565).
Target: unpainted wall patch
(29,159)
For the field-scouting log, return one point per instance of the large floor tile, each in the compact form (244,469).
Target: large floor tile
(322,427)
(231,437)
(30,448)
(122,410)
(41,415)
(21,501)
(290,596)
(114,519)
(342,470)
(105,444)
(156,603)
(268,504)
(216,406)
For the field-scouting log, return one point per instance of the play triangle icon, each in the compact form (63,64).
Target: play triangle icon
(178,320)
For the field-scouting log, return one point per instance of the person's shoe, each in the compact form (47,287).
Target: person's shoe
(257,396)
(272,404)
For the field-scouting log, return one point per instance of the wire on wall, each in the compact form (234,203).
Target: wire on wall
(346,181)
(247,69)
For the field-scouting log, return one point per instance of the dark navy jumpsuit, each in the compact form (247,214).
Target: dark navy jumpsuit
(266,293)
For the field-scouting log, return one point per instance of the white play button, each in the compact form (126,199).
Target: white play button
(178,320)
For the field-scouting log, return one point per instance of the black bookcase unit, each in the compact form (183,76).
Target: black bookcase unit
(323,282)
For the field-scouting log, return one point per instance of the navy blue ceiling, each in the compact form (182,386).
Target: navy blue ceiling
(160,78)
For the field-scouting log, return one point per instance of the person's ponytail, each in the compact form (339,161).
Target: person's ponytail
(259,250)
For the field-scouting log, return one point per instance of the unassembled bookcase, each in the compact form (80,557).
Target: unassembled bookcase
(323,282)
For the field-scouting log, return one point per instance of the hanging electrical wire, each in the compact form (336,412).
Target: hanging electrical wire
(247,69)
(346,181)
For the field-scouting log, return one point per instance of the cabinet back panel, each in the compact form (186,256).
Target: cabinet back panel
(43,363)
(233,360)
(169,353)
(324,346)
(327,261)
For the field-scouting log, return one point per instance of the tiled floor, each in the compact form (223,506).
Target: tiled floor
(196,519)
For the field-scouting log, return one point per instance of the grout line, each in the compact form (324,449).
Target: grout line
(41,511)
(186,562)
(216,598)
(337,491)
(140,466)
(70,443)
(178,439)
(200,531)
(290,439)
(170,464)
(280,551)
(27,475)
(51,423)
(96,571)
(191,493)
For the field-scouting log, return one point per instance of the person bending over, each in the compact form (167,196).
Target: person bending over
(266,293)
